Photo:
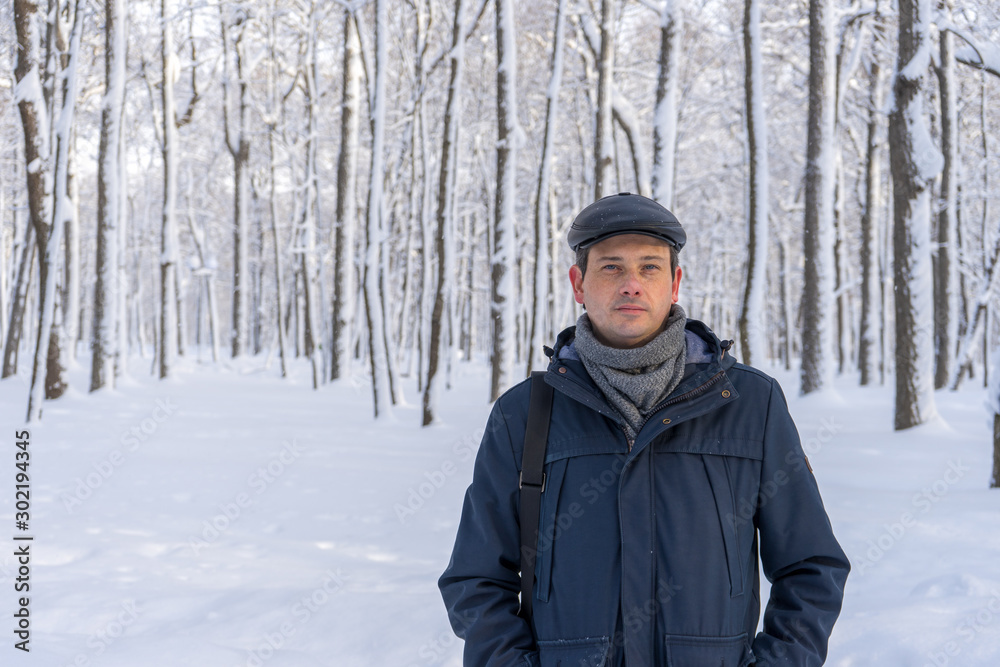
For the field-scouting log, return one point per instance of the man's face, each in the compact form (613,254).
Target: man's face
(628,289)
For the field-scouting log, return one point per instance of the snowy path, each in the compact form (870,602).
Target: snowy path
(209,519)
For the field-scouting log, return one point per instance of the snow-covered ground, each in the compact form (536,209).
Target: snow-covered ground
(230,518)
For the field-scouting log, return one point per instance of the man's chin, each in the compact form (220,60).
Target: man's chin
(630,339)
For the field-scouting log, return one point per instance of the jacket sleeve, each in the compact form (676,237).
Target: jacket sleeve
(799,553)
(480,587)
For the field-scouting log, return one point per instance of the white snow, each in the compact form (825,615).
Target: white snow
(926,154)
(230,518)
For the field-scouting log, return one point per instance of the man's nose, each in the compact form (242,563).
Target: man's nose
(630,285)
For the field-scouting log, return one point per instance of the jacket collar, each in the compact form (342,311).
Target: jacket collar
(567,373)
(704,347)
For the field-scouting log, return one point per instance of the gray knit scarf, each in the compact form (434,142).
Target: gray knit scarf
(635,380)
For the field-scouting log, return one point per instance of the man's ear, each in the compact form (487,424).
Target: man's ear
(676,287)
(576,281)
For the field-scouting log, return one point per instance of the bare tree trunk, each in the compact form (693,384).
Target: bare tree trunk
(817,291)
(22,283)
(946,265)
(752,334)
(914,165)
(444,236)
(995,478)
(869,347)
(665,112)
(344,290)
(784,281)
(842,342)
(603,140)
(503,263)
(994,398)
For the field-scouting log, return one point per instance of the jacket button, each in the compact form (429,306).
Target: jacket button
(666,421)
(562,369)
(725,393)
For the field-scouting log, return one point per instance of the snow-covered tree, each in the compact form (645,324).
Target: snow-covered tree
(48,190)
(375,227)
(236,122)
(503,265)
(665,112)
(541,292)
(915,163)
(309,207)
(946,259)
(169,241)
(346,214)
(106,341)
(994,402)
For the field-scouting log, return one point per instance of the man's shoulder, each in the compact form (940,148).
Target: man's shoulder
(514,400)
(750,380)
(751,373)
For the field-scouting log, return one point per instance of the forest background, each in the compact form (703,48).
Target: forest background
(382,188)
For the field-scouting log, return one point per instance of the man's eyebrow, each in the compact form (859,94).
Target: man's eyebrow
(615,258)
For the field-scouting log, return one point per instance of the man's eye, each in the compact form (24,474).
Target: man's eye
(651,267)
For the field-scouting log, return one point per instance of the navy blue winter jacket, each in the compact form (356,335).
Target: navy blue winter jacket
(648,550)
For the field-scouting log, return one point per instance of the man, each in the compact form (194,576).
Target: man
(667,465)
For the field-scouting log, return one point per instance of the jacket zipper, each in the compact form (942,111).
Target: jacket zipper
(700,389)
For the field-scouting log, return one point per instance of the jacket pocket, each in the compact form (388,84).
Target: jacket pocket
(717,471)
(587,652)
(694,651)
(548,528)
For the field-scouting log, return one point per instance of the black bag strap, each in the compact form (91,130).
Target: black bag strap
(536,436)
